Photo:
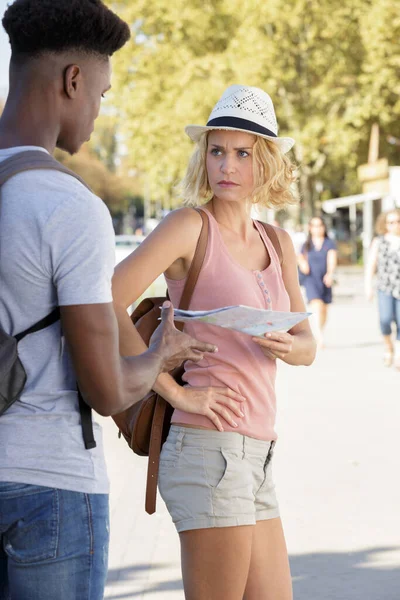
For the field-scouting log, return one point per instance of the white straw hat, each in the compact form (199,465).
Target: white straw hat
(244,108)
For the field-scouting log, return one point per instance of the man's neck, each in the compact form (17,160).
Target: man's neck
(21,124)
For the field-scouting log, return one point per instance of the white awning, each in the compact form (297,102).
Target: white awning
(330,206)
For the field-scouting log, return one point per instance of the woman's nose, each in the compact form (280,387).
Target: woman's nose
(227,165)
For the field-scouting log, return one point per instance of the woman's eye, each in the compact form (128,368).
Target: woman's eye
(243,153)
(215,152)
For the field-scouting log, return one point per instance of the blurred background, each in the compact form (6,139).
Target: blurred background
(331,68)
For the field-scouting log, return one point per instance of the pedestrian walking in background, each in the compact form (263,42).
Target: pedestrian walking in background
(384,261)
(317,263)
(218,485)
(57,255)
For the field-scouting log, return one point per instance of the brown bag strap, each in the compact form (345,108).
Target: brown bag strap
(32,159)
(271,233)
(161,404)
(197,263)
(154,454)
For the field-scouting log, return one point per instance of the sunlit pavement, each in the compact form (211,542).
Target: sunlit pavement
(336,470)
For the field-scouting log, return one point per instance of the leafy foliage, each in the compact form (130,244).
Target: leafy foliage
(330,66)
(112,189)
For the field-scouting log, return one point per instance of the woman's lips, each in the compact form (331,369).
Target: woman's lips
(227,184)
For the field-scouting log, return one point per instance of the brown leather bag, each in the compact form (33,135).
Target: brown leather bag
(145,425)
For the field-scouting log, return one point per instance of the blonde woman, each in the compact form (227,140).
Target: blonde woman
(215,475)
(384,261)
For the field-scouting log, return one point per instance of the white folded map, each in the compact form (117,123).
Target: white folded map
(245,319)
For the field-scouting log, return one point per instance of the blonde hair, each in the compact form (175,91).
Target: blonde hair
(274,174)
(380,224)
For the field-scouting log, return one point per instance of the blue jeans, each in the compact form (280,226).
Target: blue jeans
(53,543)
(389,312)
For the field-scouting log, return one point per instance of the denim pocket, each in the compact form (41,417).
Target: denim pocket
(8,488)
(35,537)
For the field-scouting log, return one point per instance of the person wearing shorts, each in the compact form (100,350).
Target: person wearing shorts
(216,465)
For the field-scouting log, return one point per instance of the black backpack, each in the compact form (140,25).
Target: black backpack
(12,371)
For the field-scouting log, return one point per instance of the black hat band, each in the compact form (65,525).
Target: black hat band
(237,123)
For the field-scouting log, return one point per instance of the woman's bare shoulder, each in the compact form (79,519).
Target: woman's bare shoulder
(180,223)
(186,220)
(179,230)
(184,214)
(282,234)
(284,238)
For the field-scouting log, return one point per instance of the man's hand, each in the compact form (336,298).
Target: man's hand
(173,346)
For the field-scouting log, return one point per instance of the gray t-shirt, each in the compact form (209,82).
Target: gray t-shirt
(56,248)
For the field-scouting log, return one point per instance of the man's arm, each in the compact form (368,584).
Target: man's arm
(108,382)
(78,253)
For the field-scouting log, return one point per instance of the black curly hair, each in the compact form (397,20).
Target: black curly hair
(39,26)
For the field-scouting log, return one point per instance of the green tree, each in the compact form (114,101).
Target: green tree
(113,190)
(331,68)
(379,100)
(307,55)
(104,141)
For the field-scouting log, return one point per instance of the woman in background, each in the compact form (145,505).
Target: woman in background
(384,260)
(317,261)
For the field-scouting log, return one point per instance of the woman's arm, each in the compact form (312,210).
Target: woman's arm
(303,264)
(371,268)
(298,346)
(169,248)
(139,270)
(331,264)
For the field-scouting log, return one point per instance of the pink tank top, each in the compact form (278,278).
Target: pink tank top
(239,362)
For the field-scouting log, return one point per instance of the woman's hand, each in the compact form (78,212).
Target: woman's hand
(369,292)
(328,280)
(277,344)
(211,402)
(303,265)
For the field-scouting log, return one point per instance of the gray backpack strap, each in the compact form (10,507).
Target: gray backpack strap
(30,160)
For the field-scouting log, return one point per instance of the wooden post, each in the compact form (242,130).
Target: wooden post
(373,151)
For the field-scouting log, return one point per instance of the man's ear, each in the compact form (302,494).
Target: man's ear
(72,80)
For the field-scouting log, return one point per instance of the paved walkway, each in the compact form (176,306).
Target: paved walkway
(336,471)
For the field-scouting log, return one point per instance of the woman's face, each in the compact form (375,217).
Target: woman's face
(393,223)
(317,227)
(230,164)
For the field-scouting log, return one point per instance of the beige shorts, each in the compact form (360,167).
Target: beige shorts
(213,479)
